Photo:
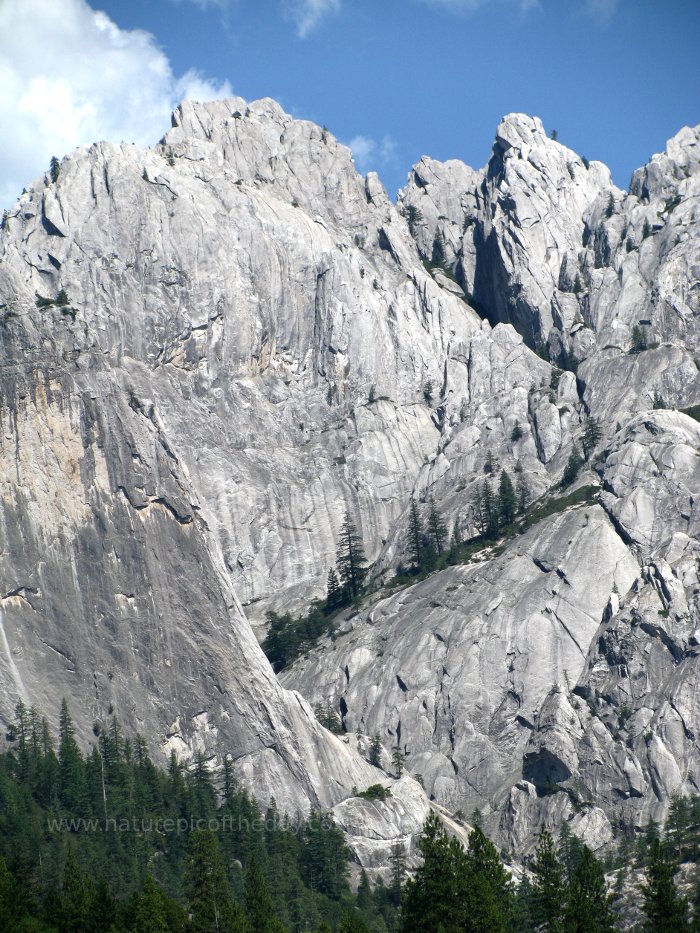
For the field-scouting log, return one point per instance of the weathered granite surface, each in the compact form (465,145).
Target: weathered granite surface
(244,353)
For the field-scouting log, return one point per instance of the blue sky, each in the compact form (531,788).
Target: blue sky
(399,78)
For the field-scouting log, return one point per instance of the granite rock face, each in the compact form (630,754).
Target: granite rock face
(543,239)
(556,680)
(192,420)
(239,339)
(455,670)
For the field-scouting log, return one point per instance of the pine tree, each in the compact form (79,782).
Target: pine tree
(71,775)
(154,912)
(398,871)
(398,760)
(548,887)
(489,510)
(573,466)
(206,881)
(204,795)
(645,843)
(54,169)
(414,216)
(695,901)
(477,511)
(21,731)
(507,502)
(677,823)
(324,856)
(415,536)
(328,717)
(375,752)
(436,528)
(257,898)
(523,921)
(365,902)
(591,436)
(12,909)
(111,743)
(281,640)
(569,851)
(47,787)
(436,897)
(456,535)
(334,594)
(664,908)
(490,893)
(522,493)
(75,899)
(350,559)
(35,735)
(588,904)
(438,254)
(229,783)
(351,923)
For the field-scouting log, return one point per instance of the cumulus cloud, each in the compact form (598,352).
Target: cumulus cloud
(69,75)
(372,155)
(307,14)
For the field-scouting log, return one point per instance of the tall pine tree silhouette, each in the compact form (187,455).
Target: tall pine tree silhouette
(436,528)
(664,908)
(350,559)
(416,536)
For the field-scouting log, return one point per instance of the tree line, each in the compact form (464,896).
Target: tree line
(564,888)
(107,841)
(498,502)
(87,844)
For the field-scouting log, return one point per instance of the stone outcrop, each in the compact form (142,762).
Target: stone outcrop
(455,670)
(543,239)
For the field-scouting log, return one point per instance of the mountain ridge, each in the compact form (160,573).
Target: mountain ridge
(184,434)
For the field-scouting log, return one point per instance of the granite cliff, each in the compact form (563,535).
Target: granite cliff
(233,346)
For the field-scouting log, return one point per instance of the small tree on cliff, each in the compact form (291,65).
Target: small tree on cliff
(350,559)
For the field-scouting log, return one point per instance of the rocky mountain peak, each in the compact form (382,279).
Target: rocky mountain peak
(260,145)
(667,171)
(519,131)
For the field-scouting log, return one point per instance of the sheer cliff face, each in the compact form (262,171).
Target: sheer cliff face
(249,332)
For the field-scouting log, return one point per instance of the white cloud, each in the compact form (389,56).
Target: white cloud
(466,6)
(387,151)
(602,10)
(370,155)
(205,5)
(307,14)
(69,75)
(363,148)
